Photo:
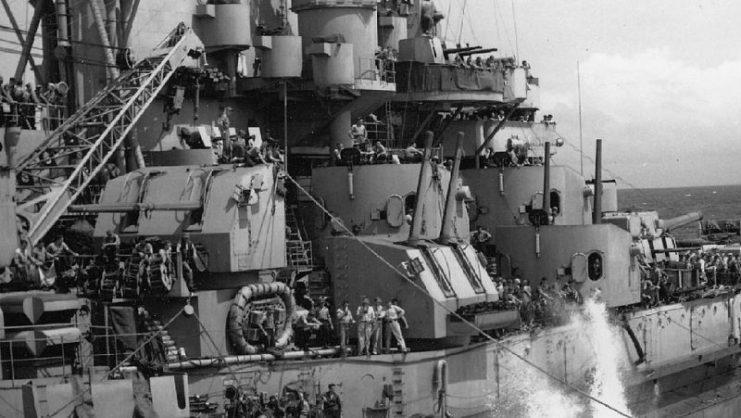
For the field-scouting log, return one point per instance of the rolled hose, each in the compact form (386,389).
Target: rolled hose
(237,310)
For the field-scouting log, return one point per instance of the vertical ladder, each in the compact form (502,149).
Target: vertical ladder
(65,163)
(298,250)
(397,383)
(389,127)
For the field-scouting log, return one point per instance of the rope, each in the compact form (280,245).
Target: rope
(220,355)
(5,401)
(452,312)
(124,361)
(514,25)
(699,335)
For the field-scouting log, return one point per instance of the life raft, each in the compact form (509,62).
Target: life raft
(240,304)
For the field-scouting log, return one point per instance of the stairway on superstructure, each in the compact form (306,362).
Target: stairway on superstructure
(298,249)
(299,256)
(60,170)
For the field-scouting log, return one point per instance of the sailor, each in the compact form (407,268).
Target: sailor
(302,407)
(332,402)
(345,319)
(366,317)
(60,252)
(44,274)
(570,294)
(188,251)
(377,330)
(23,260)
(412,154)
(358,133)
(480,238)
(380,152)
(395,314)
(111,244)
(223,122)
(274,407)
(304,323)
(325,318)
(513,158)
(336,155)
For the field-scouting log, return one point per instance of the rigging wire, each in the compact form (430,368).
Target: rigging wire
(16,43)
(463,14)
(121,363)
(14,51)
(447,23)
(514,23)
(499,22)
(444,307)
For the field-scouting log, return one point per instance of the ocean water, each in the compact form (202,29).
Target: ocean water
(715,202)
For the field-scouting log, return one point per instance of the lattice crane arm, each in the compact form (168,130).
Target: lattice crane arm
(84,143)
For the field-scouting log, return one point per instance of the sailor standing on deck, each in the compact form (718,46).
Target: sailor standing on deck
(345,319)
(358,133)
(394,314)
(366,318)
(378,326)
(223,122)
(325,317)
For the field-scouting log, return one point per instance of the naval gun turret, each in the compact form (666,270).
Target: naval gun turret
(410,242)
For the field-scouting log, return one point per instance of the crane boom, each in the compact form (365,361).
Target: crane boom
(83,144)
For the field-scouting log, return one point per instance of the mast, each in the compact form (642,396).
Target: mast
(597,214)
(547,181)
(581,139)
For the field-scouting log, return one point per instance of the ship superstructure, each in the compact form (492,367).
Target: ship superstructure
(213,171)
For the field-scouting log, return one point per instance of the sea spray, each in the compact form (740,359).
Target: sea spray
(604,337)
(530,393)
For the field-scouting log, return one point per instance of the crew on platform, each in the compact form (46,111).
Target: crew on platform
(60,253)
(366,318)
(394,316)
(359,133)
(345,320)
(378,326)
(480,238)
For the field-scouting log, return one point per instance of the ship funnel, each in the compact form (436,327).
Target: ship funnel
(447,233)
(547,182)
(425,174)
(597,213)
(679,221)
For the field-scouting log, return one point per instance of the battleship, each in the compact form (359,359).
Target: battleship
(198,183)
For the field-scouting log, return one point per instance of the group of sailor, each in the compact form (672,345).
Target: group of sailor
(19,103)
(38,266)
(234,146)
(292,403)
(715,271)
(373,323)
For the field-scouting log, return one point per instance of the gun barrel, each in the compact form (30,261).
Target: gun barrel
(679,221)
(462,49)
(478,51)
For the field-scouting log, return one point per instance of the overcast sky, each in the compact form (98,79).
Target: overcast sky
(661,79)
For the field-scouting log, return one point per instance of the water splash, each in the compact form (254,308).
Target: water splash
(607,385)
(532,394)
